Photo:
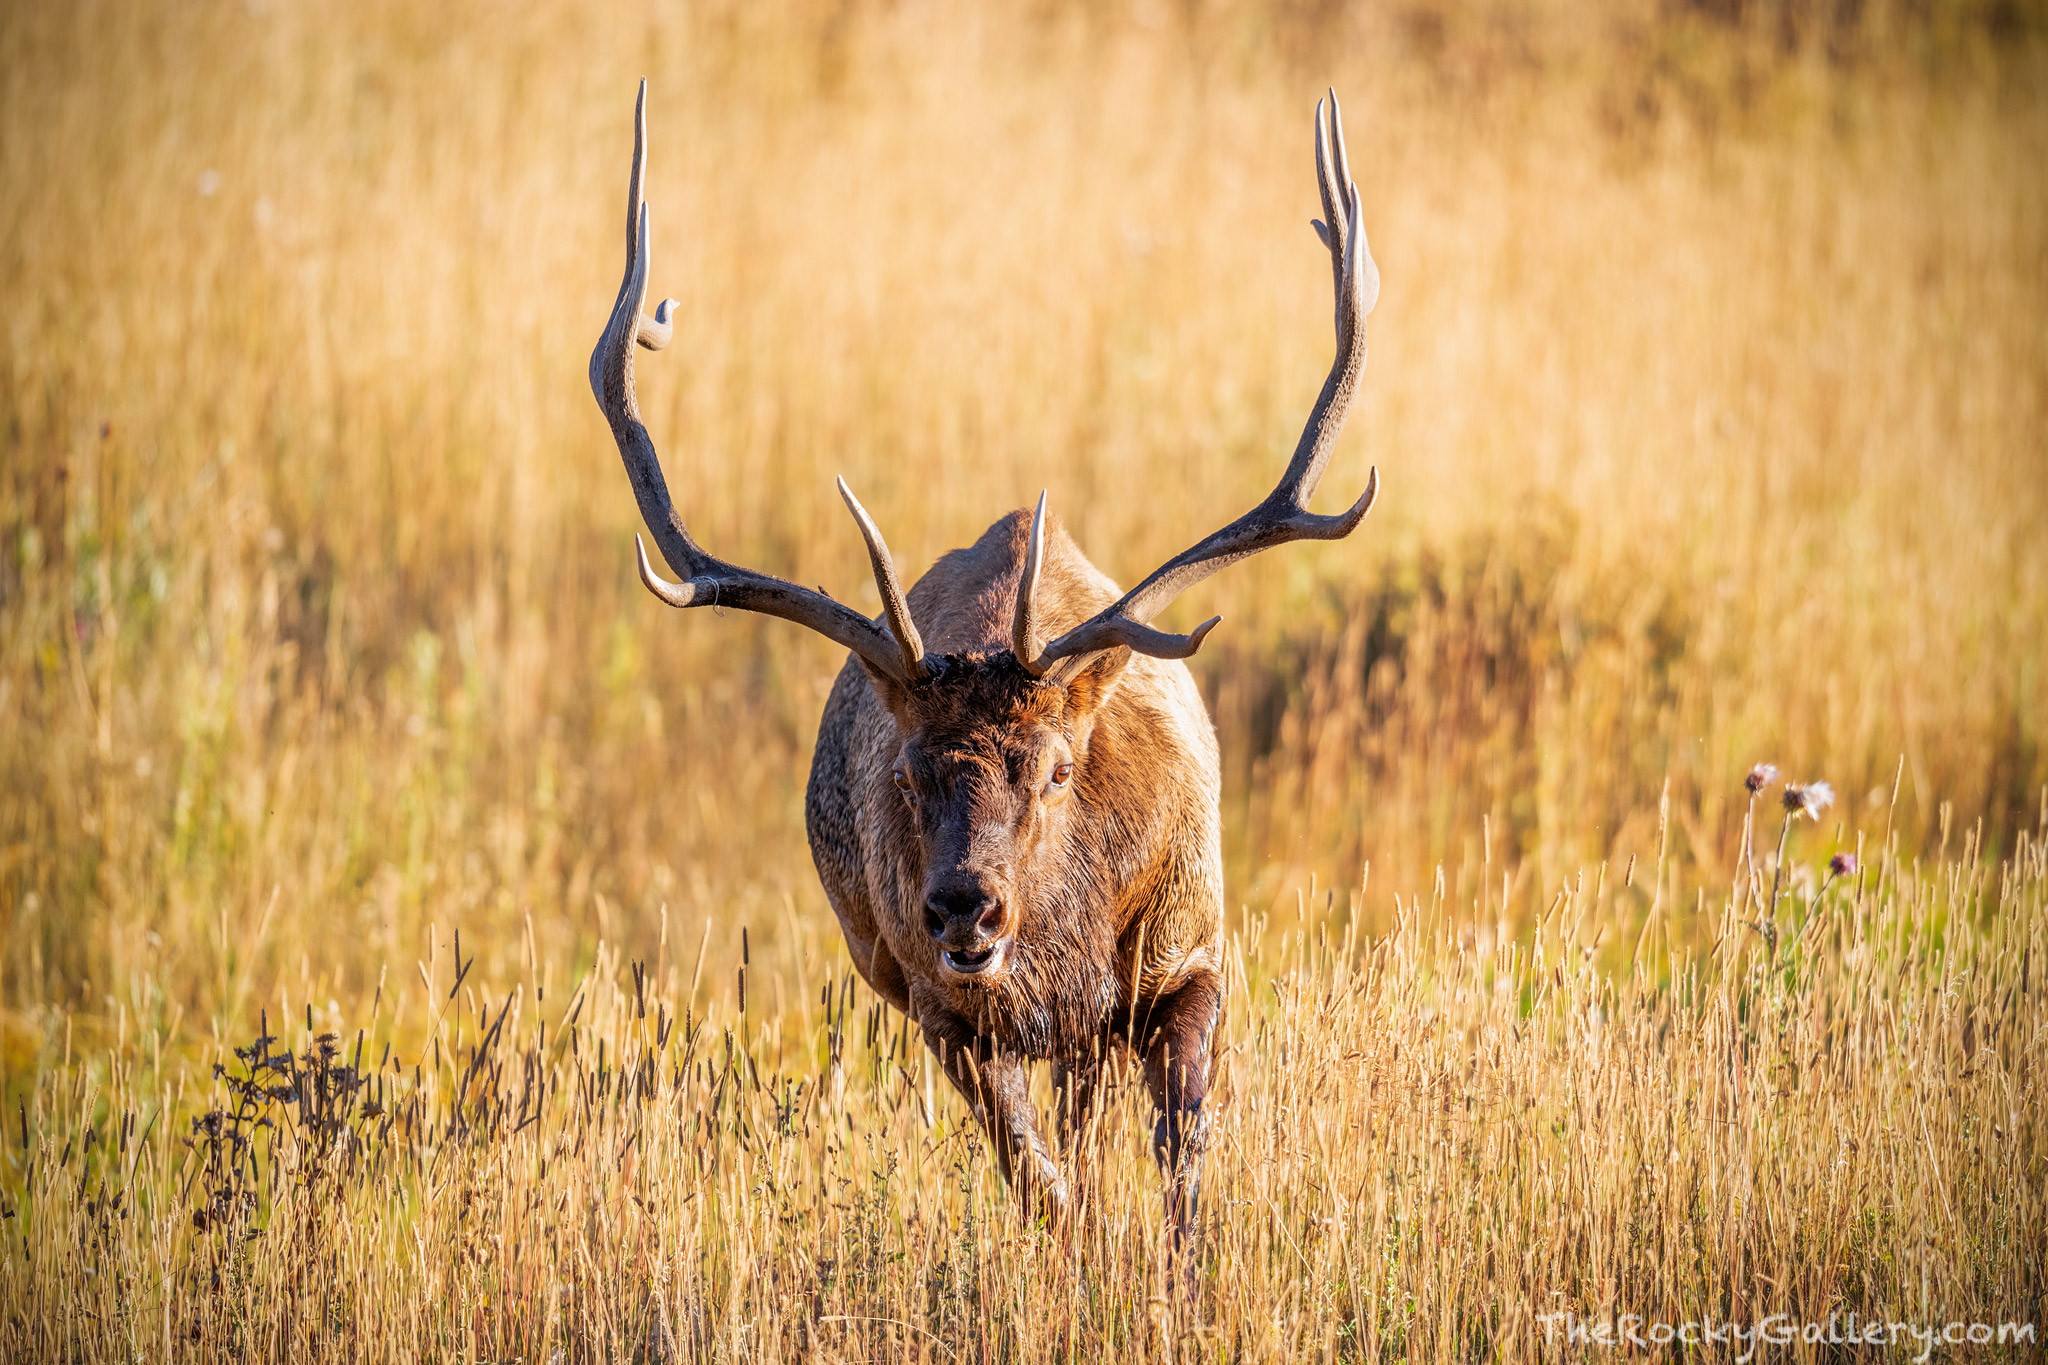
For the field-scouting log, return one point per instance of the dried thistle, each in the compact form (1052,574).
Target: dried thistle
(1808,799)
(1760,776)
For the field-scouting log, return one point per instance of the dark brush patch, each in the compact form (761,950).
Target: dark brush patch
(972,691)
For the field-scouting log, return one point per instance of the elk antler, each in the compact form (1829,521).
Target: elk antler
(896,652)
(1284,515)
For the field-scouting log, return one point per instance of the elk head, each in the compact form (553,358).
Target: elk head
(991,772)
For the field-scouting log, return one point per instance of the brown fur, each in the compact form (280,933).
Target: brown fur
(1114,889)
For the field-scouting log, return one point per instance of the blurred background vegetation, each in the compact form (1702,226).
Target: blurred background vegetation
(1708,385)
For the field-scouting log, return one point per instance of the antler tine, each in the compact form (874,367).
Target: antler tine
(675,594)
(1330,227)
(1072,652)
(894,607)
(1283,515)
(1100,634)
(1340,204)
(1024,627)
(706,578)
(657,331)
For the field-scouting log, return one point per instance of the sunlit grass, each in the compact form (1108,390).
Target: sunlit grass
(1423,1142)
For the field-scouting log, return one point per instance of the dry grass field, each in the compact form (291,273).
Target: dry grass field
(1709,390)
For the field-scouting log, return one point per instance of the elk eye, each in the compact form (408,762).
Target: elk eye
(901,780)
(1060,773)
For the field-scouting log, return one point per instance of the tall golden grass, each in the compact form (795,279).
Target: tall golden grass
(1707,386)
(1429,1146)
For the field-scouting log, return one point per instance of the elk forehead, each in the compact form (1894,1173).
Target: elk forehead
(968,699)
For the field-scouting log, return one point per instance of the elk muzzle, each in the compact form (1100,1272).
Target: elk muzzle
(967,914)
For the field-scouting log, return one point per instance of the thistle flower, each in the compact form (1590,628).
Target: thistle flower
(1761,776)
(1842,865)
(1808,800)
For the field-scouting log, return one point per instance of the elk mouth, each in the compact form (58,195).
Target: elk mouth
(980,962)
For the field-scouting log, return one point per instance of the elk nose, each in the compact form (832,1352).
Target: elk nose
(959,914)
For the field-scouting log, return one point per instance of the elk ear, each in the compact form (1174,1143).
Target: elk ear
(889,688)
(1088,689)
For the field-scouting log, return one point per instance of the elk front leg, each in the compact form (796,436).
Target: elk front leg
(1177,1029)
(998,1085)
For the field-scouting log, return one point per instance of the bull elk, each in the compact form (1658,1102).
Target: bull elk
(1013,801)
